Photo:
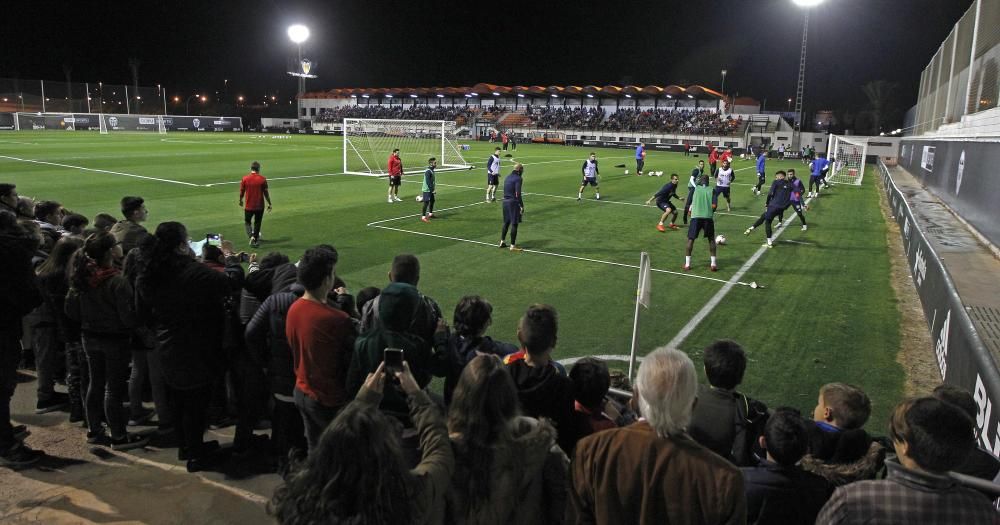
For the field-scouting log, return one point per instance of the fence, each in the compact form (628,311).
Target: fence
(964,75)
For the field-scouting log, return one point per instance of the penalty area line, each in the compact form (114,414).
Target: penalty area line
(380,224)
(100,171)
(693,323)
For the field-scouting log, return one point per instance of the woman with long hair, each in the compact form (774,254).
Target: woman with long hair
(183,301)
(508,468)
(357,473)
(57,330)
(100,299)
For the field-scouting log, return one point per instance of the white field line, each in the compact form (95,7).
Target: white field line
(17,142)
(717,298)
(603,357)
(379,224)
(269,179)
(100,171)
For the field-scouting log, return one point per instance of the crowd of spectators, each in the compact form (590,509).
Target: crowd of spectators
(700,122)
(362,438)
(411,112)
(557,117)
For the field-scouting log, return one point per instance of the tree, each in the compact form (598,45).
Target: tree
(881,101)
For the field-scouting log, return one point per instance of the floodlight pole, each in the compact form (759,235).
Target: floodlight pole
(801,85)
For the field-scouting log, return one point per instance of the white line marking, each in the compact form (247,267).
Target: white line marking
(717,298)
(269,179)
(16,142)
(101,171)
(603,357)
(378,224)
(415,215)
(245,494)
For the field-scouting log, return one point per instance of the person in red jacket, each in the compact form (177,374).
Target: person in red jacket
(395,176)
(713,159)
(254,188)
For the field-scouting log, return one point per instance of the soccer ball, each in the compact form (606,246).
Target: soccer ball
(626,172)
(420,198)
(720,239)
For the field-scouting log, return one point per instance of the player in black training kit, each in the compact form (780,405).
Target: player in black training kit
(664,203)
(778,198)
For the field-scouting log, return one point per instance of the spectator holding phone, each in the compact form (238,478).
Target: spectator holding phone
(329,487)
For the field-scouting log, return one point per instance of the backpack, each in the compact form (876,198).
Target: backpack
(750,417)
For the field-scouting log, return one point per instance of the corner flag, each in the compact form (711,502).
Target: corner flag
(644,280)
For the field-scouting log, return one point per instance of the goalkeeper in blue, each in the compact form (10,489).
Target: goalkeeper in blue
(819,167)
(590,174)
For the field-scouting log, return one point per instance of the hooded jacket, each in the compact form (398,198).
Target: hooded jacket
(19,292)
(105,307)
(544,392)
(527,479)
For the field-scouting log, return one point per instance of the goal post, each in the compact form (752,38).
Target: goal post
(369,142)
(847,159)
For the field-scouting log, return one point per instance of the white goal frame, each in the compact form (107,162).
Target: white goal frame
(847,158)
(371,155)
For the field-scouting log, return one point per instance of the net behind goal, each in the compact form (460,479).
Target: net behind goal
(369,142)
(847,159)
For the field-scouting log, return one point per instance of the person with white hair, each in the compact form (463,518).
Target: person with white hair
(652,471)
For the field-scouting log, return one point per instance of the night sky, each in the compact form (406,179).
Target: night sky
(191,46)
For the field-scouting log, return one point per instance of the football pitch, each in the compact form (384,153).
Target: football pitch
(825,312)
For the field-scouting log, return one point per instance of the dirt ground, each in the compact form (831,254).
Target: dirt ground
(916,349)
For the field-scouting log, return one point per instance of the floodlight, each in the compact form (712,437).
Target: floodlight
(412,95)
(468,95)
(204,98)
(354,96)
(589,95)
(628,96)
(520,95)
(475,94)
(365,96)
(670,96)
(388,95)
(439,95)
(495,94)
(555,96)
(690,96)
(807,3)
(298,33)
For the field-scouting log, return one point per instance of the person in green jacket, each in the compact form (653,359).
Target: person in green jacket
(429,188)
(702,220)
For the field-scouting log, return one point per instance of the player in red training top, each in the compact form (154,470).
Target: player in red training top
(254,188)
(395,176)
(713,159)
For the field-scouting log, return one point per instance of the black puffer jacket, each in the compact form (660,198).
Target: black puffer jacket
(187,313)
(19,292)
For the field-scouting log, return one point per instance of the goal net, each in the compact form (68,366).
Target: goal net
(847,160)
(369,142)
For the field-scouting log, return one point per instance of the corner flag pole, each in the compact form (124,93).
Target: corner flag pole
(641,299)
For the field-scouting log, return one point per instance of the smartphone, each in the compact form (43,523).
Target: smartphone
(393,359)
(244,257)
(215,239)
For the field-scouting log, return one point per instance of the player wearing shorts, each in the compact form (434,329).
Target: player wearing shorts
(395,175)
(818,170)
(778,198)
(428,189)
(663,202)
(795,201)
(761,160)
(254,188)
(696,174)
(723,178)
(702,220)
(590,174)
(492,175)
(513,207)
(640,158)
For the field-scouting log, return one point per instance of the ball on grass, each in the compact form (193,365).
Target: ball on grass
(626,172)
(420,198)
(720,239)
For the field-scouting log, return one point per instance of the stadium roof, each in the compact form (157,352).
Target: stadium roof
(493,90)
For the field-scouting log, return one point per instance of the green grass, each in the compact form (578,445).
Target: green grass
(827,312)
